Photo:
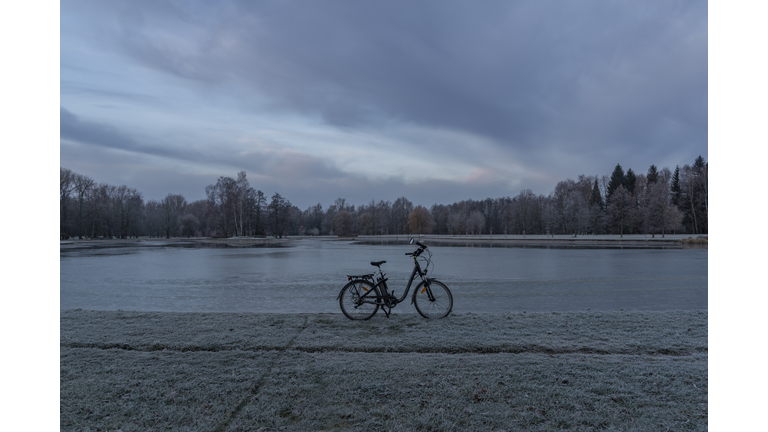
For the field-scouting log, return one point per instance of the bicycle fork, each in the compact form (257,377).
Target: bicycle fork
(428,289)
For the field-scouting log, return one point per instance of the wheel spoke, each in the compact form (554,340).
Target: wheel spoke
(356,300)
(433,300)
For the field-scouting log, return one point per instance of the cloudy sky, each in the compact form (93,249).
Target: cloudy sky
(437,101)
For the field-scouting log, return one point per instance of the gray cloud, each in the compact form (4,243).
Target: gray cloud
(101,134)
(277,170)
(508,70)
(72,128)
(135,170)
(567,87)
(89,147)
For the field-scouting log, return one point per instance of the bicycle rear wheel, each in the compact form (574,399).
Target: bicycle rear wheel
(358,300)
(433,300)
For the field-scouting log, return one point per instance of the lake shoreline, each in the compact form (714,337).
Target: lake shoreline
(240,371)
(592,241)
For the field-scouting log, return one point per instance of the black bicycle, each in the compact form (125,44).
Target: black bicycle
(362,297)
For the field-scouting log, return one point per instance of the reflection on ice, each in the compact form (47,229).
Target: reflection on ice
(305,276)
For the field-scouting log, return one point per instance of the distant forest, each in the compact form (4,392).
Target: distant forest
(655,202)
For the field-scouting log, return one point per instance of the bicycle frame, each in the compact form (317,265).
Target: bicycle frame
(382,282)
(372,289)
(386,297)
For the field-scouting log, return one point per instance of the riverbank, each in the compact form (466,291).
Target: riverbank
(237,372)
(671,241)
(668,241)
(159,241)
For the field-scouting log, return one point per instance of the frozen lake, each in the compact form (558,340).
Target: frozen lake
(306,277)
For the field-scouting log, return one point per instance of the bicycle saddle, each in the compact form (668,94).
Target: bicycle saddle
(377,263)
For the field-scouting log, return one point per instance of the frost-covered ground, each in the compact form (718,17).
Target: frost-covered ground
(238,372)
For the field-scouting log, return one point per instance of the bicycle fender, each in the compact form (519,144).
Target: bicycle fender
(350,282)
(342,289)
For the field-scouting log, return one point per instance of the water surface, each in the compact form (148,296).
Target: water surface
(306,276)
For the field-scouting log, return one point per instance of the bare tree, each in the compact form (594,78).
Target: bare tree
(524,212)
(153,219)
(366,223)
(665,175)
(313,218)
(342,223)
(660,214)
(340,203)
(371,218)
(66,185)
(440,214)
(131,209)
(119,211)
(637,215)
(98,203)
(381,217)
(111,211)
(620,208)
(173,206)
(295,219)
(571,202)
(654,205)
(401,208)
(240,203)
(233,207)
(258,210)
(221,198)
(82,186)
(596,218)
(198,209)
(475,222)
(692,197)
(689,198)
(188,224)
(278,214)
(420,221)
(456,222)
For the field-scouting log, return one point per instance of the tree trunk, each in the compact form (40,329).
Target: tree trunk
(693,214)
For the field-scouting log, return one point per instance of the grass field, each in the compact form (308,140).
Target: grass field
(268,372)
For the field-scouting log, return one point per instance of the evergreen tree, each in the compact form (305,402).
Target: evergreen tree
(695,187)
(617,179)
(629,181)
(698,165)
(596,197)
(674,188)
(653,174)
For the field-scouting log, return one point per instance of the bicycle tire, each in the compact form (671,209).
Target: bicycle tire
(440,305)
(353,306)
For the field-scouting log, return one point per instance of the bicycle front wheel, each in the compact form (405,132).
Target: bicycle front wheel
(358,300)
(433,300)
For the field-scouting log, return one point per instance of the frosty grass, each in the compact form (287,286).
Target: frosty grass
(267,372)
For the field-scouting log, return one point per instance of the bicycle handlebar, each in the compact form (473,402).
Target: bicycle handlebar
(418,251)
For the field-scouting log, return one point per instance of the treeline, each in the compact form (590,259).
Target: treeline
(657,202)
